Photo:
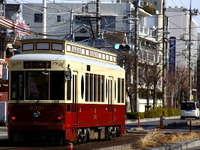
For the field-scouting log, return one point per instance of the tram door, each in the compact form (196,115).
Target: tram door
(74,98)
(110,98)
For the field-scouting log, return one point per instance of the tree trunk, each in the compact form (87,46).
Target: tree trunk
(147,99)
(154,96)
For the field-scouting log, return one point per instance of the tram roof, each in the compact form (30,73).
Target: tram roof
(61,40)
(53,57)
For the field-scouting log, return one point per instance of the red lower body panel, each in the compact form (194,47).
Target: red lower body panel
(46,121)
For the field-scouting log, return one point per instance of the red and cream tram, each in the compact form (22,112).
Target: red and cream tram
(62,90)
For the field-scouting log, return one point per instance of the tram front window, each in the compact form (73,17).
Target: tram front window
(37,85)
(17,85)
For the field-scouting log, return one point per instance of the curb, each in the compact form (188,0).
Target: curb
(129,121)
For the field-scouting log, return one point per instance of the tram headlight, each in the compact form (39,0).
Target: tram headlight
(36,114)
(60,117)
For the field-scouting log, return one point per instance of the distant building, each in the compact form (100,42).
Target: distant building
(179,19)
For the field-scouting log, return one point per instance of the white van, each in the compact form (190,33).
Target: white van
(189,109)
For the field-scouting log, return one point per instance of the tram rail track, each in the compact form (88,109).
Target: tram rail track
(123,140)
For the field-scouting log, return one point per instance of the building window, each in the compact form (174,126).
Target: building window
(58,18)
(37,17)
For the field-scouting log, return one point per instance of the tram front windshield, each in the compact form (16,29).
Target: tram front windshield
(37,85)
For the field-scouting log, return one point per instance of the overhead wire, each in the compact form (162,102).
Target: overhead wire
(181,2)
(57,13)
(178,27)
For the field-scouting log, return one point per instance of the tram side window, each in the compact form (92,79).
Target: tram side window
(123,89)
(17,85)
(102,83)
(120,90)
(99,88)
(94,88)
(87,87)
(110,91)
(91,87)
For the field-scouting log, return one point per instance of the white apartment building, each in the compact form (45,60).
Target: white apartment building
(179,20)
(179,27)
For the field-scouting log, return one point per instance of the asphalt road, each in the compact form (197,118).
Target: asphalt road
(152,123)
(144,123)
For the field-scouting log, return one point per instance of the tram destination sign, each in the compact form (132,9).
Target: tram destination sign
(37,64)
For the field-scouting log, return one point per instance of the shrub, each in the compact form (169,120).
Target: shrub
(154,113)
(135,115)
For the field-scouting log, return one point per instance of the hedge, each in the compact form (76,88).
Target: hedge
(153,113)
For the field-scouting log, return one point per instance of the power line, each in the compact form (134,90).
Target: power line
(36,10)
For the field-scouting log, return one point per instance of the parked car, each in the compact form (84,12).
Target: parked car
(189,109)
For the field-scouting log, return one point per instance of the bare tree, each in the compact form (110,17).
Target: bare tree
(126,59)
(150,74)
(157,74)
(177,84)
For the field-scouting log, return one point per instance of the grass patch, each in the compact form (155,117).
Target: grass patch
(157,138)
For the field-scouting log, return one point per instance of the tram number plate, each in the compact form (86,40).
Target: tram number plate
(36,108)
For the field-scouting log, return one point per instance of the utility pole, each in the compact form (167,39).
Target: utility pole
(163,57)
(71,26)
(191,13)
(136,4)
(44,18)
(98,23)
(189,51)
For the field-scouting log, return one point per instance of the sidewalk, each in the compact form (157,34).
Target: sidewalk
(129,121)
